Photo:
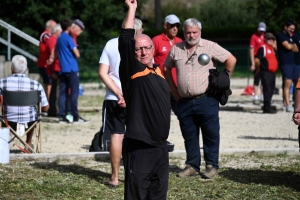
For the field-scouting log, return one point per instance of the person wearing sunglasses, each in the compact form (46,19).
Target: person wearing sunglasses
(162,45)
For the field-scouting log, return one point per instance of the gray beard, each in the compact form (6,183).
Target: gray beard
(192,43)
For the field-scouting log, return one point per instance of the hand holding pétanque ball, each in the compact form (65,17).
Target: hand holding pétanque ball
(203,59)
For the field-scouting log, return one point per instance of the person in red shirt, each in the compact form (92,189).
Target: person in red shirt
(256,40)
(53,69)
(162,46)
(43,57)
(266,61)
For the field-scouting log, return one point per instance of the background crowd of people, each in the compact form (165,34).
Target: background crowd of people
(267,53)
(58,68)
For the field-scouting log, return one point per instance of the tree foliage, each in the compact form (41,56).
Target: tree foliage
(276,12)
(102,18)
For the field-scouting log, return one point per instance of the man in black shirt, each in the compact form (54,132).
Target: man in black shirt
(147,98)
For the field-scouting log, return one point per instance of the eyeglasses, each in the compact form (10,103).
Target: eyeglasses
(173,25)
(140,49)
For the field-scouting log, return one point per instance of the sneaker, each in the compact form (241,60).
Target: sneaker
(188,171)
(80,120)
(69,117)
(270,111)
(210,172)
(63,120)
(290,108)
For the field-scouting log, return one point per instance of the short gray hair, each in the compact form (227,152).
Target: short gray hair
(191,22)
(48,23)
(56,28)
(137,24)
(19,64)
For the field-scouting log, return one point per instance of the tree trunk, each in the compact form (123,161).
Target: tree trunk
(158,17)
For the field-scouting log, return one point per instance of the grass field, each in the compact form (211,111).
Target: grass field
(247,177)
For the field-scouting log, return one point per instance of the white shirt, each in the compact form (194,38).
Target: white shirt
(111,57)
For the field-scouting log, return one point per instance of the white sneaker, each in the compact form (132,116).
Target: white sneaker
(69,117)
(289,108)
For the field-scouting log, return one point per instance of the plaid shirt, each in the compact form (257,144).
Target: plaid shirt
(20,82)
(191,76)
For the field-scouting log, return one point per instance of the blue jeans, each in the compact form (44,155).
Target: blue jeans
(195,114)
(69,81)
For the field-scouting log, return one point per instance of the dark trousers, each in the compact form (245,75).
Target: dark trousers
(146,171)
(174,104)
(69,81)
(53,108)
(268,81)
(195,114)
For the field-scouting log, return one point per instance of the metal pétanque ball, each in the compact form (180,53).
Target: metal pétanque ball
(203,59)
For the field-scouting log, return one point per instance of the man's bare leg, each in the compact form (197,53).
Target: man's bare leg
(29,137)
(115,156)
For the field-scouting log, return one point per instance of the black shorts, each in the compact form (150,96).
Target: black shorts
(146,171)
(13,125)
(113,117)
(46,78)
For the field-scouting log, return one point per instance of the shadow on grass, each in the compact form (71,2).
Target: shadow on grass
(288,179)
(97,175)
(174,169)
(265,138)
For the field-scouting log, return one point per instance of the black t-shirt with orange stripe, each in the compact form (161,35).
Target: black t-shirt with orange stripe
(147,96)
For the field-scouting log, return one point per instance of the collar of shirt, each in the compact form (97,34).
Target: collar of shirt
(19,75)
(200,44)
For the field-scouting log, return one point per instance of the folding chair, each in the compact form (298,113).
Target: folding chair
(25,98)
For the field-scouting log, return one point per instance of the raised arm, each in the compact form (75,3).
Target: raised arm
(127,49)
(129,20)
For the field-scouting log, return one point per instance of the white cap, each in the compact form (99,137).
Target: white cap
(172,19)
(262,26)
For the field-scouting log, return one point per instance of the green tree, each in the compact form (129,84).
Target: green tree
(102,19)
(276,12)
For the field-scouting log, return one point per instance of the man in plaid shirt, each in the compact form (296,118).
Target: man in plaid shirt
(18,81)
(198,107)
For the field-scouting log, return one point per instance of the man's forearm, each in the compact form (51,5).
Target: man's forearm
(169,79)
(297,101)
(230,63)
(129,20)
(110,84)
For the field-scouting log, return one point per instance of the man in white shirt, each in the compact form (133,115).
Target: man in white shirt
(113,113)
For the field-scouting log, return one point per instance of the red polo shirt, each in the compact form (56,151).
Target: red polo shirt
(256,41)
(55,67)
(162,48)
(42,49)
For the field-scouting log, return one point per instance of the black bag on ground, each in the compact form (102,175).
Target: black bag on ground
(97,142)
